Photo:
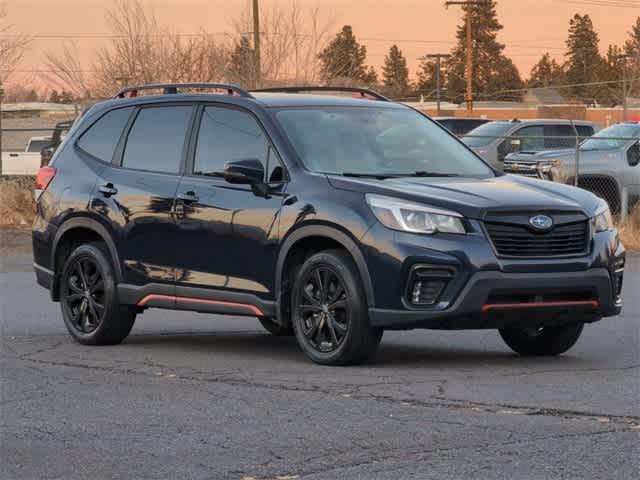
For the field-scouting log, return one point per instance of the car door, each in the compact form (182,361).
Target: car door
(139,189)
(228,234)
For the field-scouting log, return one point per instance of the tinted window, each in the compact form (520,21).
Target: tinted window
(38,145)
(584,130)
(226,135)
(103,136)
(156,139)
(566,133)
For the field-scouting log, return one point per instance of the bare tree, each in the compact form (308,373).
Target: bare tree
(291,39)
(141,50)
(12,46)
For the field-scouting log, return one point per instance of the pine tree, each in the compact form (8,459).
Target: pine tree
(584,63)
(492,71)
(241,64)
(54,97)
(66,97)
(395,74)
(632,47)
(546,72)
(427,84)
(343,60)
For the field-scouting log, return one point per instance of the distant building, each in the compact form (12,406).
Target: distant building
(544,96)
(38,110)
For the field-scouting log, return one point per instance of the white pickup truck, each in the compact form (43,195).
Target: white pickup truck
(26,162)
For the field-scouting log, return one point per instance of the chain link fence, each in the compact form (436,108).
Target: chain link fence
(607,166)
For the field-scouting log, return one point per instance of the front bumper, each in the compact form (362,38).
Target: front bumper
(473,308)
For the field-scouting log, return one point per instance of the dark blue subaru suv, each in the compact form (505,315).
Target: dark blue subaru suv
(328,217)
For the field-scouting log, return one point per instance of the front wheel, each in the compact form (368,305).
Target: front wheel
(542,341)
(329,311)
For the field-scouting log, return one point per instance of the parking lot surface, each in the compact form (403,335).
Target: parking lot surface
(214,397)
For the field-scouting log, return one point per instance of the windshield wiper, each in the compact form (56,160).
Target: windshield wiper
(377,176)
(422,173)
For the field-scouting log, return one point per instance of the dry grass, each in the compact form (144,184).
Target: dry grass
(17,205)
(630,232)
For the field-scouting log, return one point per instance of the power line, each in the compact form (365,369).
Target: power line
(604,3)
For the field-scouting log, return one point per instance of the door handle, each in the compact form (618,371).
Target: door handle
(188,197)
(108,190)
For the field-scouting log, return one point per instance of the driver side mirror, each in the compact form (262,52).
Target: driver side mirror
(249,171)
(633,154)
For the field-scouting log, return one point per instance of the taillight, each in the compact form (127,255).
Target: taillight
(43,179)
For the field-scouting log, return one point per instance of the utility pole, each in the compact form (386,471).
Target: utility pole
(625,107)
(468,71)
(256,43)
(1,98)
(438,57)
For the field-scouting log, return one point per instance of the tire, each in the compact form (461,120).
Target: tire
(276,329)
(545,341)
(88,298)
(329,311)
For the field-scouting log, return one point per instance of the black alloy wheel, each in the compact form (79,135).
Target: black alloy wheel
(83,294)
(89,299)
(323,309)
(329,310)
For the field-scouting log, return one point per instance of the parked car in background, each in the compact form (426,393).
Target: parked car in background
(25,162)
(608,164)
(460,125)
(60,131)
(329,218)
(495,140)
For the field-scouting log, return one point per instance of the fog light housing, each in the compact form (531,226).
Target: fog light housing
(426,284)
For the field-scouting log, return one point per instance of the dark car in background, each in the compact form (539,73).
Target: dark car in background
(326,217)
(460,125)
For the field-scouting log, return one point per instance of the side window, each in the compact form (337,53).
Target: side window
(585,131)
(157,138)
(563,131)
(226,135)
(101,139)
(535,144)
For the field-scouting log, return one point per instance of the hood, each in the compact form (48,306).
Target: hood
(474,197)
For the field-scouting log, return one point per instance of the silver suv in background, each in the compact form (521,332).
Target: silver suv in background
(608,165)
(495,140)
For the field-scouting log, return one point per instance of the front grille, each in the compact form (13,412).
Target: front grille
(521,241)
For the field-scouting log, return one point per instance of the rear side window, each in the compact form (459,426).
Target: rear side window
(585,131)
(157,138)
(553,134)
(101,139)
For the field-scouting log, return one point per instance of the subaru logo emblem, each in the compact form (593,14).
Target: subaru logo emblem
(541,222)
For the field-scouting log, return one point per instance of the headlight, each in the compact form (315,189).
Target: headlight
(546,166)
(413,217)
(602,220)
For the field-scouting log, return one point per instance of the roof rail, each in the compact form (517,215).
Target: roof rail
(364,92)
(171,88)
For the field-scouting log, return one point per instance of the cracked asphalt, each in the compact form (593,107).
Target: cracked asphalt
(212,397)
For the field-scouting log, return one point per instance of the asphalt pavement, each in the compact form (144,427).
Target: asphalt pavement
(214,397)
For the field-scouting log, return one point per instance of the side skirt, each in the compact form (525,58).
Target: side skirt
(158,295)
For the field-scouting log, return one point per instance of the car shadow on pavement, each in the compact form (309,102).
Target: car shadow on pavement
(249,346)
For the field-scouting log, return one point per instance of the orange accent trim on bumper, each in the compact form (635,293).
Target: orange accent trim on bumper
(492,306)
(252,308)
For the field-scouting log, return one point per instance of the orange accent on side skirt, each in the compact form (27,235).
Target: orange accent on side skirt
(255,310)
(492,306)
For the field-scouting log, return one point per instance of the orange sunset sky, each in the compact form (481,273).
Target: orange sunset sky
(531,27)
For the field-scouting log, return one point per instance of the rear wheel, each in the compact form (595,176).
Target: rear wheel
(88,298)
(542,340)
(329,311)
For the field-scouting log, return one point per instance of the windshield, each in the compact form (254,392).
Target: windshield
(377,142)
(487,133)
(612,138)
